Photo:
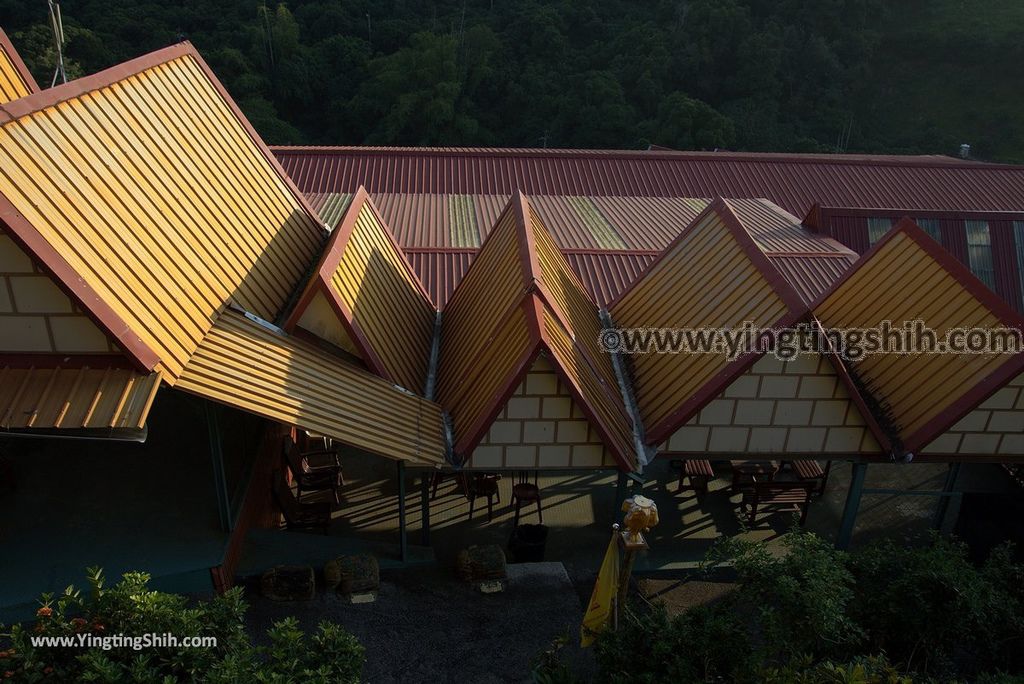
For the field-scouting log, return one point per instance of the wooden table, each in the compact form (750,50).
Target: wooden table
(752,470)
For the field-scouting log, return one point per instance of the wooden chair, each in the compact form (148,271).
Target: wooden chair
(319,452)
(697,471)
(309,478)
(313,442)
(781,496)
(298,515)
(811,471)
(523,491)
(486,485)
(439,476)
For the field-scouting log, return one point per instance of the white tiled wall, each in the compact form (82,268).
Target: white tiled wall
(541,426)
(995,427)
(779,407)
(35,315)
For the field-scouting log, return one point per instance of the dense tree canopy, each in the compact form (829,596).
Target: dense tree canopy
(784,75)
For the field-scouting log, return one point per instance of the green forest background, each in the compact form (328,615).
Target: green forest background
(890,76)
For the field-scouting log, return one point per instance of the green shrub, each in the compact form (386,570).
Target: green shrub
(130,608)
(935,612)
(861,670)
(549,668)
(705,643)
(797,601)
(806,613)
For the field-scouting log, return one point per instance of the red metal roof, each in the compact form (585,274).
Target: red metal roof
(458,221)
(811,276)
(520,298)
(793,181)
(604,273)
(440,270)
(809,262)
(607,274)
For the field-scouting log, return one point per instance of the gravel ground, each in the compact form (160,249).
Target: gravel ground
(679,595)
(426,626)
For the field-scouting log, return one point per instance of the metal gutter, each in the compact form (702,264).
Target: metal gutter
(644,453)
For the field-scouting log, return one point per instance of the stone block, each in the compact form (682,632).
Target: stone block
(288,583)
(352,574)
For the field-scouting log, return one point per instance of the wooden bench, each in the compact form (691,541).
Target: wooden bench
(699,473)
(811,471)
(780,496)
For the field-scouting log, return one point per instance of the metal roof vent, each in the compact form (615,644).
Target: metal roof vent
(965,151)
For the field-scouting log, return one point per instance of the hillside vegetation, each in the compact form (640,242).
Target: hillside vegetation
(908,76)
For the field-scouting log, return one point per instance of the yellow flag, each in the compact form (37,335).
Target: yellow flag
(605,590)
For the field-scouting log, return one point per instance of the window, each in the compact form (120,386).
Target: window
(877,227)
(979,252)
(931,226)
(1018,240)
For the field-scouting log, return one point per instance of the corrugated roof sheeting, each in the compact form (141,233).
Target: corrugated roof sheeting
(15,79)
(473,401)
(464,228)
(243,364)
(542,151)
(706,279)
(811,276)
(157,196)
(416,220)
(794,182)
(440,271)
(597,397)
(573,230)
(488,209)
(331,206)
(375,290)
(852,231)
(808,261)
(571,325)
(851,227)
(566,295)
(501,317)
(425,221)
(75,398)
(650,223)
(908,279)
(484,312)
(604,233)
(606,275)
(777,231)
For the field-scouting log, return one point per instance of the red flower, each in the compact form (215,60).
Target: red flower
(98,626)
(78,623)
(8,674)
(47,670)
(44,612)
